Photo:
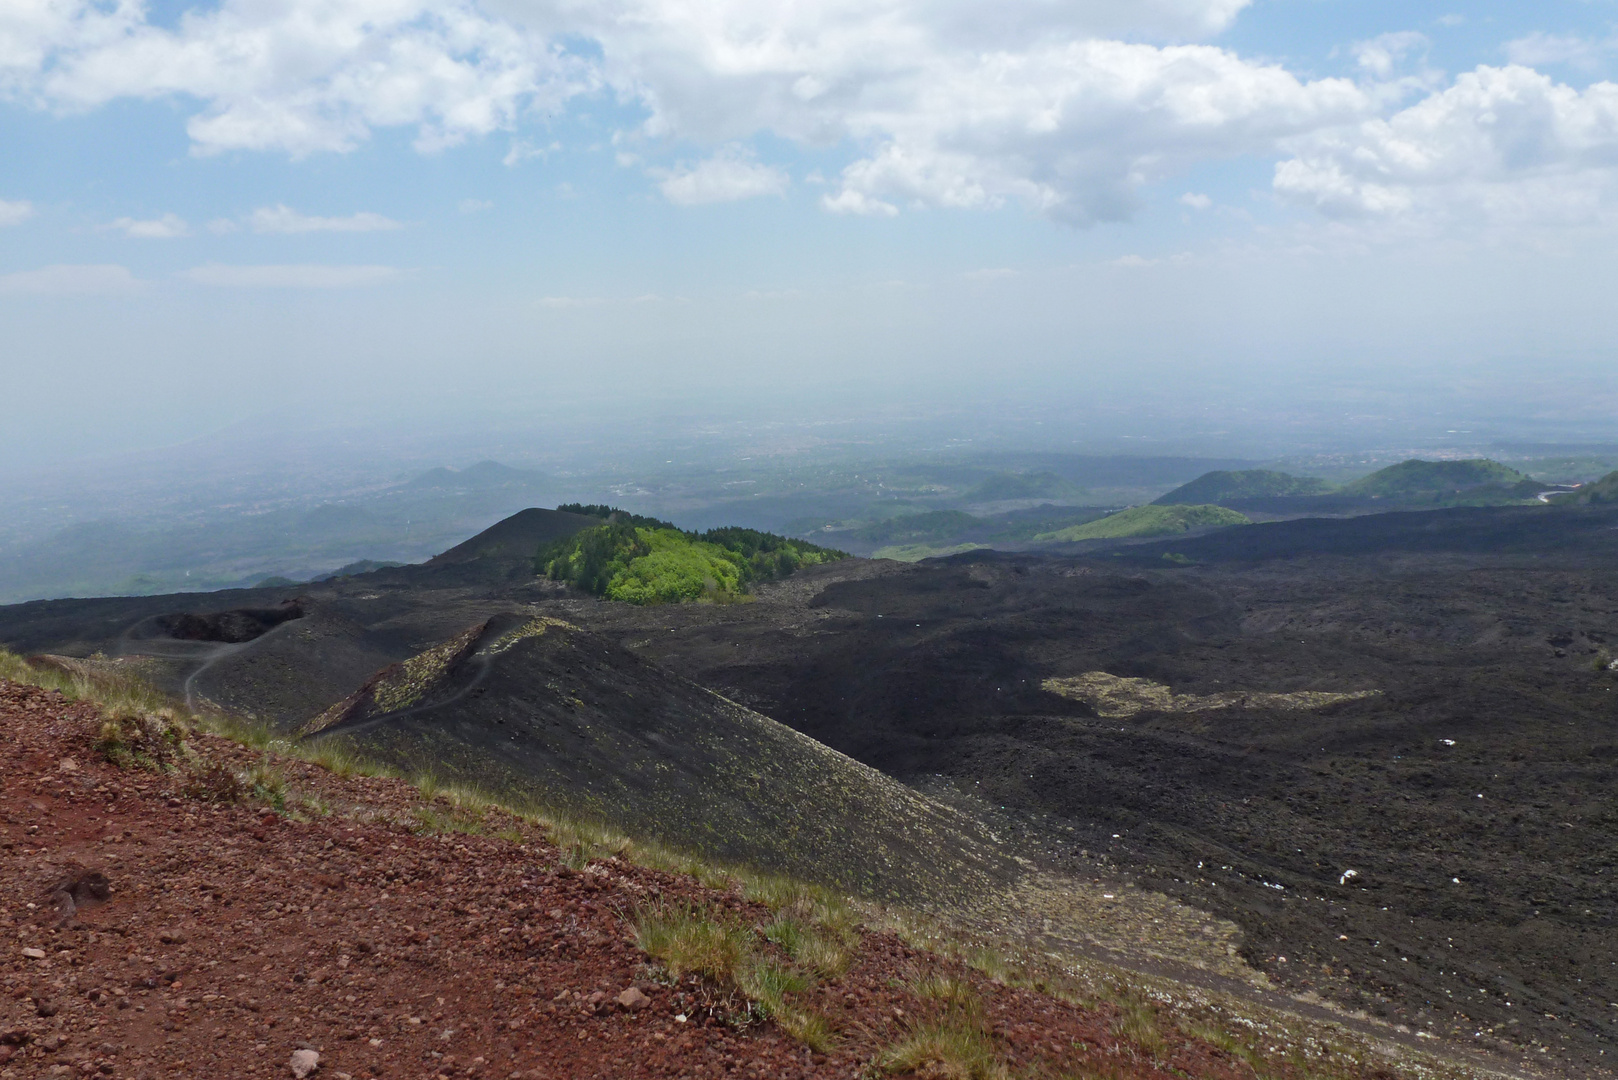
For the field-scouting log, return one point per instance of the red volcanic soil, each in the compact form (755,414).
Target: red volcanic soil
(224,939)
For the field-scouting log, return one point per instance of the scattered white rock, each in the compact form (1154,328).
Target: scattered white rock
(1447,742)
(34,954)
(1347,874)
(304,1062)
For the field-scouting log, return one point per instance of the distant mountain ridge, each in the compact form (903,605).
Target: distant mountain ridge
(1604,490)
(484,476)
(1417,477)
(1220,486)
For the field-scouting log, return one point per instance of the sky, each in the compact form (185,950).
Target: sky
(405,209)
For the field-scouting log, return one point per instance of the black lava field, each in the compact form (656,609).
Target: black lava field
(1440,854)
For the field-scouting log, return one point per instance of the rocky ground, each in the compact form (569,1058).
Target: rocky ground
(246,916)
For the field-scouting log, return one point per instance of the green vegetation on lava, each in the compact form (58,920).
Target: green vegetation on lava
(642,560)
(1140,521)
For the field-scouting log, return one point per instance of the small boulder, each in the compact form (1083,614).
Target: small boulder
(304,1062)
(632,1000)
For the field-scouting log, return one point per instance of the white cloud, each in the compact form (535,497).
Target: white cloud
(167,227)
(1381,55)
(284,219)
(300,76)
(1195,201)
(1502,146)
(1539,49)
(1141,262)
(852,201)
(67,279)
(1074,130)
(992,273)
(474,206)
(730,175)
(291,277)
(523,149)
(223,227)
(15,213)
(1069,109)
(960,103)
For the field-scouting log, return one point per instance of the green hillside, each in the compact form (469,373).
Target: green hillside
(1417,478)
(641,560)
(1006,486)
(1604,490)
(1222,486)
(1139,521)
(918,528)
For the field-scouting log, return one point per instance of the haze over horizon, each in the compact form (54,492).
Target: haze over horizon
(1267,222)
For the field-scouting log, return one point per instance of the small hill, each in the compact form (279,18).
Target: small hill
(918,528)
(540,710)
(1006,486)
(1142,521)
(362,566)
(1222,486)
(645,561)
(516,538)
(484,476)
(1604,490)
(1417,478)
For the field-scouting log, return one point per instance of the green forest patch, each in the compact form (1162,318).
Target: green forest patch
(1140,521)
(642,560)
(918,552)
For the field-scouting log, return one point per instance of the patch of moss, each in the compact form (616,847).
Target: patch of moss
(1140,521)
(918,552)
(1115,697)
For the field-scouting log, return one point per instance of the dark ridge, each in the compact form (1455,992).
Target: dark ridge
(1497,530)
(517,537)
(228,627)
(543,710)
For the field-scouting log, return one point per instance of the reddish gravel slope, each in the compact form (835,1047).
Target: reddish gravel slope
(229,940)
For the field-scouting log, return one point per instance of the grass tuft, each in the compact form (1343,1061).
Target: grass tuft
(954,992)
(693,940)
(825,953)
(1137,1023)
(140,741)
(266,782)
(953,1048)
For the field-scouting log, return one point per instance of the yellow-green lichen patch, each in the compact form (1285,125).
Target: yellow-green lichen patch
(1115,697)
(405,684)
(532,628)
